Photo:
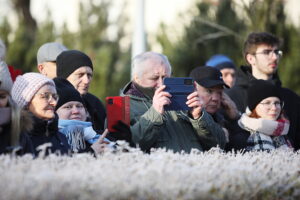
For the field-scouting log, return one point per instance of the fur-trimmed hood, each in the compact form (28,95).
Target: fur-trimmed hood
(26,121)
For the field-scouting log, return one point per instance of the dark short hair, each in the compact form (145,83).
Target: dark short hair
(257,38)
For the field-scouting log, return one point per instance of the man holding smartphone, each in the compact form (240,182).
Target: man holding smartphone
(154,127)
(210,85)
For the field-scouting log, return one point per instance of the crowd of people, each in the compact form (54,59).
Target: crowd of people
(231,108)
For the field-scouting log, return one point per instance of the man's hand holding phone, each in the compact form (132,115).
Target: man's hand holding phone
(160,99)
(195,102)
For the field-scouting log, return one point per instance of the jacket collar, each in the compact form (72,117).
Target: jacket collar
(44,127)
(134,90)
(244,76)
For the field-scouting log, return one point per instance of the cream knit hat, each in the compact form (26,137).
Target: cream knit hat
(5,78)
(27,85)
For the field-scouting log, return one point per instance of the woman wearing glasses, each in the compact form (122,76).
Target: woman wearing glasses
(14,123)
(37,94)
(264,118)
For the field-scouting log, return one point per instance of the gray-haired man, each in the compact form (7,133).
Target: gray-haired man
(154,127)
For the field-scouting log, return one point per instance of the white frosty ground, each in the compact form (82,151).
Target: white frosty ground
(159,175)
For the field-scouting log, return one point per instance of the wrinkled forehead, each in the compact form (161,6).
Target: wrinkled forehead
(156,66)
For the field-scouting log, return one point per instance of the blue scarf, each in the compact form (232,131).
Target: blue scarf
(78,132)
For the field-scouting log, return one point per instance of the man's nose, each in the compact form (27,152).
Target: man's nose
(215,96)
(275,56)
(159,82)
(86,79)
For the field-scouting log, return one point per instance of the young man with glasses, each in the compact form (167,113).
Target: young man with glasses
(261,51)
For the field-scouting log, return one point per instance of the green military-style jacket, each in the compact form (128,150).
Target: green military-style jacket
(173,130)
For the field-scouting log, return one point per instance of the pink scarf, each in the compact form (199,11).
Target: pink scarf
(267,127)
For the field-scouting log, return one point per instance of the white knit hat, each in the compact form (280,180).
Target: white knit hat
(27,85)
(5,78)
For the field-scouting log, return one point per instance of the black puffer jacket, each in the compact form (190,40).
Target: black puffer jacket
(291,101)
(47,132)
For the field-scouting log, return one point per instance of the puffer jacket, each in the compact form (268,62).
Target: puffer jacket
(47,132)
(291,101)
(173,130)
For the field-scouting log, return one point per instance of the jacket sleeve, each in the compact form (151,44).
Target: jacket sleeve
(145,128)
(209,132)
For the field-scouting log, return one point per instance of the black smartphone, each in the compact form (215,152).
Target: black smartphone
(179,88)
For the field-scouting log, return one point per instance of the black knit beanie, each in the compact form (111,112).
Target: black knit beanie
(69,61)
(259,90)
(66,92)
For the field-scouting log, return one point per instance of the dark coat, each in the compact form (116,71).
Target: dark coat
(47,132)
(25,144)
(96,110)
(291,101)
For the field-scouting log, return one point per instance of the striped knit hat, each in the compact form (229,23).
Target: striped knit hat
(27,85)
(5,78)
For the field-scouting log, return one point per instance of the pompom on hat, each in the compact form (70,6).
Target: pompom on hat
(27,85)
(6,82)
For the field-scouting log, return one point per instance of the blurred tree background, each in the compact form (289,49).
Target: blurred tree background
(222,26)
(216,27)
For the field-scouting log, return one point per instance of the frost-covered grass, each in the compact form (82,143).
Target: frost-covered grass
(159,175)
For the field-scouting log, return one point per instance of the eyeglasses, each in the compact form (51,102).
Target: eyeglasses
(48,96)
(270,52)
(277,104)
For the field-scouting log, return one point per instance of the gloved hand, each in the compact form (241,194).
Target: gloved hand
(123,133)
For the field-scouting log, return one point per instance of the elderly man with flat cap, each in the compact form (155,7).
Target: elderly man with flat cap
(210,85)
(77,68)
(46,58)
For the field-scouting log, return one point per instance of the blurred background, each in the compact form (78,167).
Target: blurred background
(187,31)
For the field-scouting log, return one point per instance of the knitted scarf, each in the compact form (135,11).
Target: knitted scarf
(78,132)
(265,134)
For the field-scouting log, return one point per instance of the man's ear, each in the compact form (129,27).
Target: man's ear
(40,67)
(136,78)
(195,84)
(250,58)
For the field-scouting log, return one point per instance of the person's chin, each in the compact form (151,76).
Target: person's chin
(211,109)
(273,117)
(49,116)
(83,91)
